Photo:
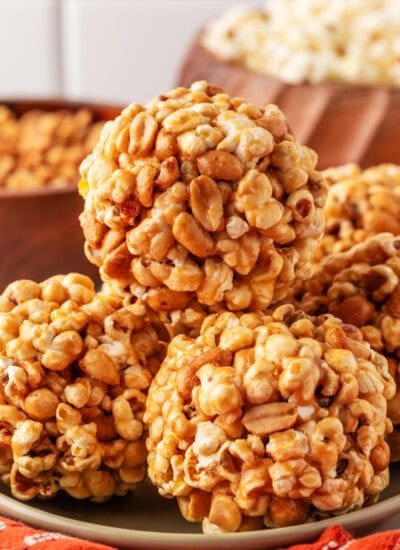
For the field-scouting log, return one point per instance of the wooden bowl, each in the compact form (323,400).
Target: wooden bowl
(342,122)
(40,234)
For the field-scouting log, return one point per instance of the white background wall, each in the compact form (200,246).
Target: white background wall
(29,48)
(106,50)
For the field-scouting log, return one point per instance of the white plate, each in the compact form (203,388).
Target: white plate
(145,520)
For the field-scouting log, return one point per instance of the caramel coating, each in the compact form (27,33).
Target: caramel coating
(359,204)
(279,416)
(75,368)
(200,201)
(362,287)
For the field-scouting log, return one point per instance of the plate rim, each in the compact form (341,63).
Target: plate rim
(147,539)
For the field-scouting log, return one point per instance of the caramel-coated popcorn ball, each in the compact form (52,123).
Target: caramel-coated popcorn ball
(362,287)
(200,198)
(359,204)
(75,368)
(278,416)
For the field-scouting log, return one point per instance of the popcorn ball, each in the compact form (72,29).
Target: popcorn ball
(359,204)
(362,287)
(269,419)
(199,201)
(74,373)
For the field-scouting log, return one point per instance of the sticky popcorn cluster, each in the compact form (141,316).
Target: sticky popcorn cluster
(74,371)
(359,204)
(362,287)
(269,418)
(198,202)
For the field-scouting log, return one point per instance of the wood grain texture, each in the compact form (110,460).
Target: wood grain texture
(40,235)
(342,122)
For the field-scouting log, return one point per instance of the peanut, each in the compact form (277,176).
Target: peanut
(195,506)
(166,144)
(143,131)
(268,418)
(380,456)
(287,511)
(206,202)
(41,404)
(225,513)
(217,356)
(192,236)
(144,185)
(100,365)
(169,173)
(220,165)
(164,299)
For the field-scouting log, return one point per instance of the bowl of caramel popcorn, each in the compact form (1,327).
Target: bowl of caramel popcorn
(42,144)
(332,67)
(236,374)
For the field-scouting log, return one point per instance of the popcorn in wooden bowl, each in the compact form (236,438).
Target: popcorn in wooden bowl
(270,419)
(74,372)
(200,201)
(312,40)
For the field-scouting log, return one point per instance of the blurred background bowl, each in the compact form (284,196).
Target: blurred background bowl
(40,234)
(342,122)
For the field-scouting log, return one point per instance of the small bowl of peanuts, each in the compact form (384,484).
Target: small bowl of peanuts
(41,146)
(331,68)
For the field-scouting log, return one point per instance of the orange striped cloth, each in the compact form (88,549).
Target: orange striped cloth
(337,538)
(17,536)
